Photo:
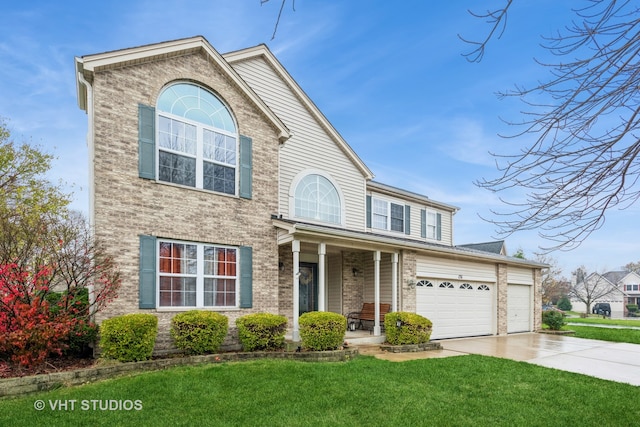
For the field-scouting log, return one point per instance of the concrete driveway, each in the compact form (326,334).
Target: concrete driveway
(601,359)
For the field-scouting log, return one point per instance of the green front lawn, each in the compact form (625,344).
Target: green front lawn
(599,320)
(461,390)
(605,334)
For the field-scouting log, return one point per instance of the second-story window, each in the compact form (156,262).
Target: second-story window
(386,215)
(197,140)
(316,198)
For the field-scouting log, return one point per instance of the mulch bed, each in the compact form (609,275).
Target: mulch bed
(57,364)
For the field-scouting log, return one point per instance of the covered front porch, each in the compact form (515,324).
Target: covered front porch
(329,271)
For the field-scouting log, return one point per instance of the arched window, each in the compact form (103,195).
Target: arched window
(483,288)
(197,139)
(316,198)
(446,285)
(466,286)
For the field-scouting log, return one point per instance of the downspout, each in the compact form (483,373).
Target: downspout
(90,149)
(89,139)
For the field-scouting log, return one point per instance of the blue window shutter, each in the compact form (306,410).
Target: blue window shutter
(439,226)
(246,172)
(368,211)
(246,277)
(146,142)
(423,223)
(147,272)
(407,219)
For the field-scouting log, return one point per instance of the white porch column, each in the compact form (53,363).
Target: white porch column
(376,285)
(394,282)
(295,247)
(322,252)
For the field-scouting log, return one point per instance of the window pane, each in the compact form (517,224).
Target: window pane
(316,198)
(397,217)
(177,169)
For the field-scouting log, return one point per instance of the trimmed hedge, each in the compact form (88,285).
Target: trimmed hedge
(413,329)
(199,332)
(261,331)
(129,338)
(553,319)
(322,330)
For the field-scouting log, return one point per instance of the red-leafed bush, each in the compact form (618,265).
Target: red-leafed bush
(36,323)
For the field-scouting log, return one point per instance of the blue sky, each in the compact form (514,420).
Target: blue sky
(388,75)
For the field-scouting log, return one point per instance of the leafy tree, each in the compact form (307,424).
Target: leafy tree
(584,119)
(590,287)
(564,304)
(53,273)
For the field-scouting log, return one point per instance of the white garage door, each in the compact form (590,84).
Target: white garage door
(457,309)
(518,308)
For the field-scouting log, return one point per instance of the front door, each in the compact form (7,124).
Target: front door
(308,287)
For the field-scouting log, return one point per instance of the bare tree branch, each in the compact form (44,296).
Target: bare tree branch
(275,29)
(498,20)
(584,159)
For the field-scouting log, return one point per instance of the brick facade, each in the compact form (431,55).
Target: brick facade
(127,206)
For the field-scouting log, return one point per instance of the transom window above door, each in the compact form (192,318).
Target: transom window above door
(197,139)
(316,198)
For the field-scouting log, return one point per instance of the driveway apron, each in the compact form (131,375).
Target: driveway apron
(601,359)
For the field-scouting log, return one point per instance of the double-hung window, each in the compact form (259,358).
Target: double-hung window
(386,215)
(432,225)
(197,140)
(197,275)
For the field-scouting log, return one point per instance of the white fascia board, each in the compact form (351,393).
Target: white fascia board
(92,62)
(365,241)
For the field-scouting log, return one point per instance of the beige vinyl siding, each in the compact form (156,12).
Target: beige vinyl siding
(415,226)
(520,276)
(310,147)
(385,279)
(334,283)
(442,268)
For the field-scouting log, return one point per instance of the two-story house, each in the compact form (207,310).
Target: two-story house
(219,185)
(617,288)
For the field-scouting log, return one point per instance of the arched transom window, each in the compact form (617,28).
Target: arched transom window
(316,198)
(197,139)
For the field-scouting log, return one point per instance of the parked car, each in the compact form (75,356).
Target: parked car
(552,308)
(602,308)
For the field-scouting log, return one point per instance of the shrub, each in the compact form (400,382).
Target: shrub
(130,337)
(322,330)
(632,308)
(29,331)
(413,329)
(564,304)
(199,332)
(261,331)
(553,319)
(81,338)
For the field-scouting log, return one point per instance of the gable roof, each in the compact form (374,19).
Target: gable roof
(395,191)
(88,64)
(262,51)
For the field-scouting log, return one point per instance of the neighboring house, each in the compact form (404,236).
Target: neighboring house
(629,283)
(219,185)
(610,287)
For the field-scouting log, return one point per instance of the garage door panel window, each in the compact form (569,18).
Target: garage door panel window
(425,283)
(447,285)
(466,286)
(483,288)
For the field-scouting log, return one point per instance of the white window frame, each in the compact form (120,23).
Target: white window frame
(199,155)
(431,224)
(292,197)
(200,276)
(386,214)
